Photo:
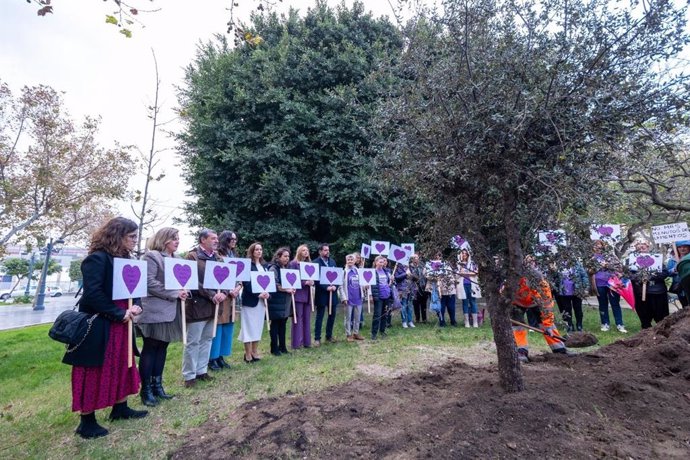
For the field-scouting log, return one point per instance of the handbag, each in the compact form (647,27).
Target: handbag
(71,327)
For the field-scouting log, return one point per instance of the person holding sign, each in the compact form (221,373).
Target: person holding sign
(604,266)
(279,303)
(648,277)
(383,297)
(420,295)
(683,248)
(252,313)
(352,297)
(112,381)
(221,345)
(323,294)
(441,278)
(160,322)
(301,329)
(200,313)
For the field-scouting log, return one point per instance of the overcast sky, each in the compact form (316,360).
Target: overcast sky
(103,73)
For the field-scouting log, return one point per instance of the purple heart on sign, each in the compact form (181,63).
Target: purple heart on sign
(407,247)
(605,231)
(368,276)
(551,237)
(366,251)
(182,273)
(310,270)
(264,281)
(239,266)
(291,278)
(645,261)
(398,254)
(331,275)
(221,273)
(380,247)
(131,276)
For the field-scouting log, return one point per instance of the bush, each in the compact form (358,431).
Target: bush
(24,299)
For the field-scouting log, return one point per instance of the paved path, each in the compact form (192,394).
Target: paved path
(20,315)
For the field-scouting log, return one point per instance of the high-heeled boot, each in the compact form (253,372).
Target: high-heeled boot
(157,387)
(146,393)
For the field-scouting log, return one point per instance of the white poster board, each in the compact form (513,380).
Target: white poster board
(380,247)
(242,267)
(607,232)
(219,275)
(367,276)
(670,232)
(129,278)
(290,279)
(263,282)
(365,252)
(651,262)
(181,274)
(399,255)
(331,276)
(309,271)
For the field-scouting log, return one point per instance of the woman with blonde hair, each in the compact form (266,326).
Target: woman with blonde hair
(160,321)
(301,330)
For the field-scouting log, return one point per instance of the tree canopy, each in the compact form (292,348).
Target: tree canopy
(278,144)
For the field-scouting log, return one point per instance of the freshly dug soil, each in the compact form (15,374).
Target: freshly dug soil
(628,400)
(581,340)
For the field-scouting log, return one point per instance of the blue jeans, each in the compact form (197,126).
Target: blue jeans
(606,295)
(469,305)
(448,302)
(222,342)
(378,321)
(406,311)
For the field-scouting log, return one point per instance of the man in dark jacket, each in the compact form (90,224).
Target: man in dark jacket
(321,299)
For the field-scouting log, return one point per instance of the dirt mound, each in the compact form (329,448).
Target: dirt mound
(628,400)
(581,340)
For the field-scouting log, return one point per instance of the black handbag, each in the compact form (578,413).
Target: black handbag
(71,327)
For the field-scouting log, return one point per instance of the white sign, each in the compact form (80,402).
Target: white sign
(309,271)
(637,261)
(129,278)
(552,238)
(399,255)
(380,247)
(367,276)
(670,232)
(409,247)
(290,279)
(606,232)
(181,273)
(263,282)
(365,252)
(219,275)
(243,267)
(331,276)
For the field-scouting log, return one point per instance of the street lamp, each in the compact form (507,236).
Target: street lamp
(32,261)
(40,299)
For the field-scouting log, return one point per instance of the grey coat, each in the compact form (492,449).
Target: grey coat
(161,304)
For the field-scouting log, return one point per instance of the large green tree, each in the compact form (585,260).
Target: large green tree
(518,114)
(278,144)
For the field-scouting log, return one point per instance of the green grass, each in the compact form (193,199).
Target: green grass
(35,395)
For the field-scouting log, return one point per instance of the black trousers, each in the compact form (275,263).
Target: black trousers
(567,304)
(655,307)
(321,311)
(277,332)
(419,304)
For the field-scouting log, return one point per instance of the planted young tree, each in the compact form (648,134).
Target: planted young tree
(515,115)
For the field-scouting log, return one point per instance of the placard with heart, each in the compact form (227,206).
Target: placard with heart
(242,267)
(409,247)
(219,275)
(365,252)
(652,262)
(290,279)
(399,255)
(129,278)
(380,247)
(331,276)
(606,232)
(309,271)
(367,276)
(180,273)
(263,282)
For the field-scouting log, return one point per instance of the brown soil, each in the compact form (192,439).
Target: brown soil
(628,400)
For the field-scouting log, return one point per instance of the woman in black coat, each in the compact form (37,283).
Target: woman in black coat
(280,303)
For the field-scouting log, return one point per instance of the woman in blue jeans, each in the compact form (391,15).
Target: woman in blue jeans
(382,294)
(468,269)
(607,265)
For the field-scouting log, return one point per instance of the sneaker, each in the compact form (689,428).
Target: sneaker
(404,325)
(411,324)
(622,329)
(316,343)
(605,328)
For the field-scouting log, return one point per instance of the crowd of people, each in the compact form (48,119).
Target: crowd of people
(414,289)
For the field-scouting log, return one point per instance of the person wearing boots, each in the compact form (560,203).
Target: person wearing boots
(351,293)
(101,377)
(160,321)
(279,303)
(468,273)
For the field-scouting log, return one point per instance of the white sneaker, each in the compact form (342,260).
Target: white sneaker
(411,324)
(622,329)
(404,325)
(605,328)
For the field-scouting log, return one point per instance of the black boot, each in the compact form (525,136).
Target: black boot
(221,362)
(122,412)
(89,428)
(157,386)
(213,365)
(146,393)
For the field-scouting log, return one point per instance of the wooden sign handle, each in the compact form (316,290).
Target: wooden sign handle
(183,311)
(130,352)
(294,310)
(215,317)
(268,321)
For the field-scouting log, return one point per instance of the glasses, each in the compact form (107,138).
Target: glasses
(133,236)
(233,239)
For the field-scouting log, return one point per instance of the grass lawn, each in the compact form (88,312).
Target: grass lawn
(35,395)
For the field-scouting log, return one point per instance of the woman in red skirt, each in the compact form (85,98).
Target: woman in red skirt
(98,387)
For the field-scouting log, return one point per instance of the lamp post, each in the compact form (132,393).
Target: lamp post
(40,299)
(32,261)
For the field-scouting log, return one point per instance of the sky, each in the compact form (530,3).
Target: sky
(103,73)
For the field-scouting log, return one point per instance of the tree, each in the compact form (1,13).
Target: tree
(516,116)
(53,174)
(278,143)
(20,268)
